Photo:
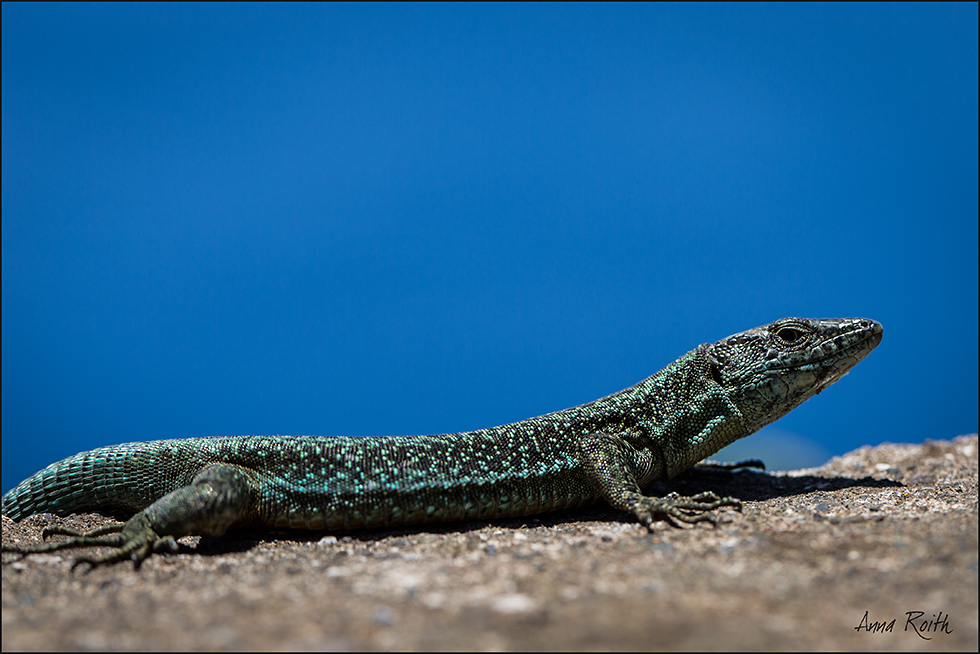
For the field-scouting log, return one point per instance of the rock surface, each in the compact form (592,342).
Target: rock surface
(817,560)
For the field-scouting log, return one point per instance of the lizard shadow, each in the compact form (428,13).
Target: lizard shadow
(756,486)
(746,485)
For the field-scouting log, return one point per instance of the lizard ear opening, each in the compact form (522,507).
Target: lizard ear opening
(715,372)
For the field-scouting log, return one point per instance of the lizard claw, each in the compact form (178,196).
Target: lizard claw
(134,540)
(689,509)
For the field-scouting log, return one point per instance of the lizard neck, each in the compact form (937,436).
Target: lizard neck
(697,416)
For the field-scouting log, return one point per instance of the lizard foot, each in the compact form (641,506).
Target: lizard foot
(688,509)
(134,540)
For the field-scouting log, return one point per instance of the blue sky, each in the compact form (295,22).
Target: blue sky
(411,219)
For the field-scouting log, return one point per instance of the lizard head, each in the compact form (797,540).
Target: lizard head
(770,370)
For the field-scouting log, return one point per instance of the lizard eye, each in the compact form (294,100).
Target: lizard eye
(789,334)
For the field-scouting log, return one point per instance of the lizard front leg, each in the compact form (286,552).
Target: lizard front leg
(615,467)
(212,502)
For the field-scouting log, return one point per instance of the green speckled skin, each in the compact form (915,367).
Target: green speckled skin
(607,449)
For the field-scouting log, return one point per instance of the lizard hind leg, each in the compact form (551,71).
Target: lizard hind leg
(134,540)
(212,502)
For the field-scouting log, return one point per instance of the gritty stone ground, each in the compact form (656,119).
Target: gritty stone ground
(824,558)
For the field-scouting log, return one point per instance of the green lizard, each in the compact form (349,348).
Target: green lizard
(609,449)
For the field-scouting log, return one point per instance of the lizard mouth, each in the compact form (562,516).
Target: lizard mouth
(862,347)
(838,362)
(876,335)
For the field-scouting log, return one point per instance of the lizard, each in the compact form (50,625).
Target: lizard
(607,449)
